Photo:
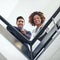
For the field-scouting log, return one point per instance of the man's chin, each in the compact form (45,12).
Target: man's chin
(20,27)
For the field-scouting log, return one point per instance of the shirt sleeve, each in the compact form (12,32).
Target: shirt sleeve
(28,34)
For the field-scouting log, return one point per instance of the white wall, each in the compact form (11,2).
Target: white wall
(6,7)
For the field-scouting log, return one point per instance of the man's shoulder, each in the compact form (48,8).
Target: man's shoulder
(16,27)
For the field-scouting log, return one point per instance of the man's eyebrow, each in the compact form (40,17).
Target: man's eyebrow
(21,21)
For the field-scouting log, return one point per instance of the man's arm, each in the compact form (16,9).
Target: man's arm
(28,34)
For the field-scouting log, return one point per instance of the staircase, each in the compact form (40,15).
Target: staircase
(43,47)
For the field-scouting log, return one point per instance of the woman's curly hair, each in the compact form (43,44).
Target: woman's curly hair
(31,20)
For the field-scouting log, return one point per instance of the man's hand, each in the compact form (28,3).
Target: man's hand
(23,32)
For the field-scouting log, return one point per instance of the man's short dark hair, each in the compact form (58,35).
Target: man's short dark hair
(20,17)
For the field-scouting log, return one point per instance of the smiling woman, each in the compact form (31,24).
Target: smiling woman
(37,19)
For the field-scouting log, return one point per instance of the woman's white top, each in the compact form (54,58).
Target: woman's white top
(36,31)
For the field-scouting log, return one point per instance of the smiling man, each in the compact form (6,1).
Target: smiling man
(20,22)
(20,26)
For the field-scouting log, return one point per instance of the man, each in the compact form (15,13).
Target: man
(20,24)
(20,27)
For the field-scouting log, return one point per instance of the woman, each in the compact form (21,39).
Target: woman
(37,19)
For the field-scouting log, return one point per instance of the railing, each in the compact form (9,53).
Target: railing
(46,25)
(46,40)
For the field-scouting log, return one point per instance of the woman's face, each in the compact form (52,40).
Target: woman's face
(37,20)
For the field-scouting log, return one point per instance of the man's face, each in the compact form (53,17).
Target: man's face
(20,23)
